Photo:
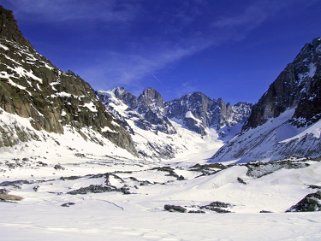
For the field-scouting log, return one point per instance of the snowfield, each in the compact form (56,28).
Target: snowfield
(97,220)
(83,198)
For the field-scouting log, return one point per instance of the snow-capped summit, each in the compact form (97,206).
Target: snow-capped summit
(286,120)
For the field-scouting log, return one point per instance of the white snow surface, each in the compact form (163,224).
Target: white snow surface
(90,106)
(4,47)
(141,216)
(314,130)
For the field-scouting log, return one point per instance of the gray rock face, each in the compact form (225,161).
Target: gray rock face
(9,28)
(31,87)
(297,86)
(150,99)
(198,112)
(128,98)
(195,111)
(151,106)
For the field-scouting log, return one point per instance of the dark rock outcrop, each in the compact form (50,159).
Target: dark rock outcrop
(310,203)
(174,208)
(298,86)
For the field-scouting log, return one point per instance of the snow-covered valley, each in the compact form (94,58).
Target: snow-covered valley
(82,164)
(127,199)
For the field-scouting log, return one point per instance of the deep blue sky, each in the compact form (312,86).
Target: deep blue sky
(224,48)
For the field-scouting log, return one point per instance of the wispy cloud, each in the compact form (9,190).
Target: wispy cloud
(124,68)
(177,32)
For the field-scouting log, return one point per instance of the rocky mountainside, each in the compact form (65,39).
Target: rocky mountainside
(298,86)
(169,122)
(286,120)
(198,112)
(50,99)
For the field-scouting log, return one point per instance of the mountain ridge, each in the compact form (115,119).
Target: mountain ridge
(286,120)
(31,87)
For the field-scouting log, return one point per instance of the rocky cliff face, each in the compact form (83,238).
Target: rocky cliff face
(195,111)
(198,112)
(286,120)
(294,87)
(31,87)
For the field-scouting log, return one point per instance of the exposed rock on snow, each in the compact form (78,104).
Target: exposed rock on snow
(174,208)
(9,197)
(310,203)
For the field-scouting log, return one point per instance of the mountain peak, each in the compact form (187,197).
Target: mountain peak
(9,28)
(294,82)
(151,93)
(310,51)
(151,97)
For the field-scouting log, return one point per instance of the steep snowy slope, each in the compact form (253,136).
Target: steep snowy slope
(286,120)
(44,100)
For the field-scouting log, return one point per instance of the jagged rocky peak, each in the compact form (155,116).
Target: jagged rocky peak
(9,28)
(293,87)
(151,106)
(32,87)
(198,112)
(308,110)
(151,99)
(147,111)
(128,98)
(234,114)
(193,111)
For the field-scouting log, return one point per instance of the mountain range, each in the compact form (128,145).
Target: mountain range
(160,129)
(41,103)
(84,164)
